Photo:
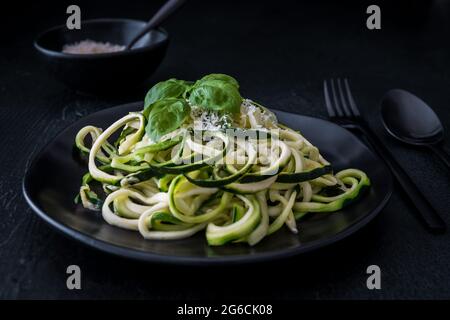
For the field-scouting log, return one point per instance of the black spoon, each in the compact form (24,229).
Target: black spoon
(163,13)
(409,119)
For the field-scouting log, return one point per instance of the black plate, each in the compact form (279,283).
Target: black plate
(53,180)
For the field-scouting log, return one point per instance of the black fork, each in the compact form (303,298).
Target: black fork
(340,104)
(342,110)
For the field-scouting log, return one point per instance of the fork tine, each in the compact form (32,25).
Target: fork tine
(345,108)
(352,103)
(328,104)
(337,106)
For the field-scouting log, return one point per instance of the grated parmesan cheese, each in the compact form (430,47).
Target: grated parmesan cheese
(252,116)
(89,47)
(209,120)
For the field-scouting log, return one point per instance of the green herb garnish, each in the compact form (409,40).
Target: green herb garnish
(220,76)
(216,95)
(167,103)
(166,116)
(172,88)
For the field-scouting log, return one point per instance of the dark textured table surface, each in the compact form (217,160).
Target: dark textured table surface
(280,52)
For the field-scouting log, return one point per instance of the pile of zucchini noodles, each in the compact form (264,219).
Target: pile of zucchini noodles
(152,189)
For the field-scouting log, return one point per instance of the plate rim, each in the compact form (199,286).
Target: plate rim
(151,257)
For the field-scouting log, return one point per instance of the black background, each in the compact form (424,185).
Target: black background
(280,52)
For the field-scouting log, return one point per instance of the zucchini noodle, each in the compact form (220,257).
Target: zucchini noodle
(235,189)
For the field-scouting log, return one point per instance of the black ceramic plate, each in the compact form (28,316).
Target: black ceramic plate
(53,180)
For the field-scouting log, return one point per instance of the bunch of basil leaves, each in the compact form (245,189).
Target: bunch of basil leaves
(168,103)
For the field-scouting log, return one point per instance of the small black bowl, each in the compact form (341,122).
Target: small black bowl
(104,72)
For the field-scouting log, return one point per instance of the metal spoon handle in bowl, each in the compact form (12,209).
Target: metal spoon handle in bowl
(163,13)
(441,153)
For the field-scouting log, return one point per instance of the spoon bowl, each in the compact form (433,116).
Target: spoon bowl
(103,72)
(410,120)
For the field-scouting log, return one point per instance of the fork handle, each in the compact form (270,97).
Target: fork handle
(427,213)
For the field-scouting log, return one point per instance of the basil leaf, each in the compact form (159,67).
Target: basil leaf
(216,95)
(171,88)
(166,115)
(220,76)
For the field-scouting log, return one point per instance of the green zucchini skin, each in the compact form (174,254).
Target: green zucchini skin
(348,175)
(140,176)
(169,169)
(122,210)
(249,188)
(304,176)
(251,178)
(281,219)
(215,183)
(172,168)
(220,235)
(164,182)
(160,146)
(165,221)
(237,212)
(205,217)
(218,182)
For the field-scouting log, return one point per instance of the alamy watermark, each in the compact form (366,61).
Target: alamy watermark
(234,147)
(74,20)
(74,279)
(374,280)
(373,22)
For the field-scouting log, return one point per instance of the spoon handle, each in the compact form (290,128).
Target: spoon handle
(427,213)
(441,153)
(165,11)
